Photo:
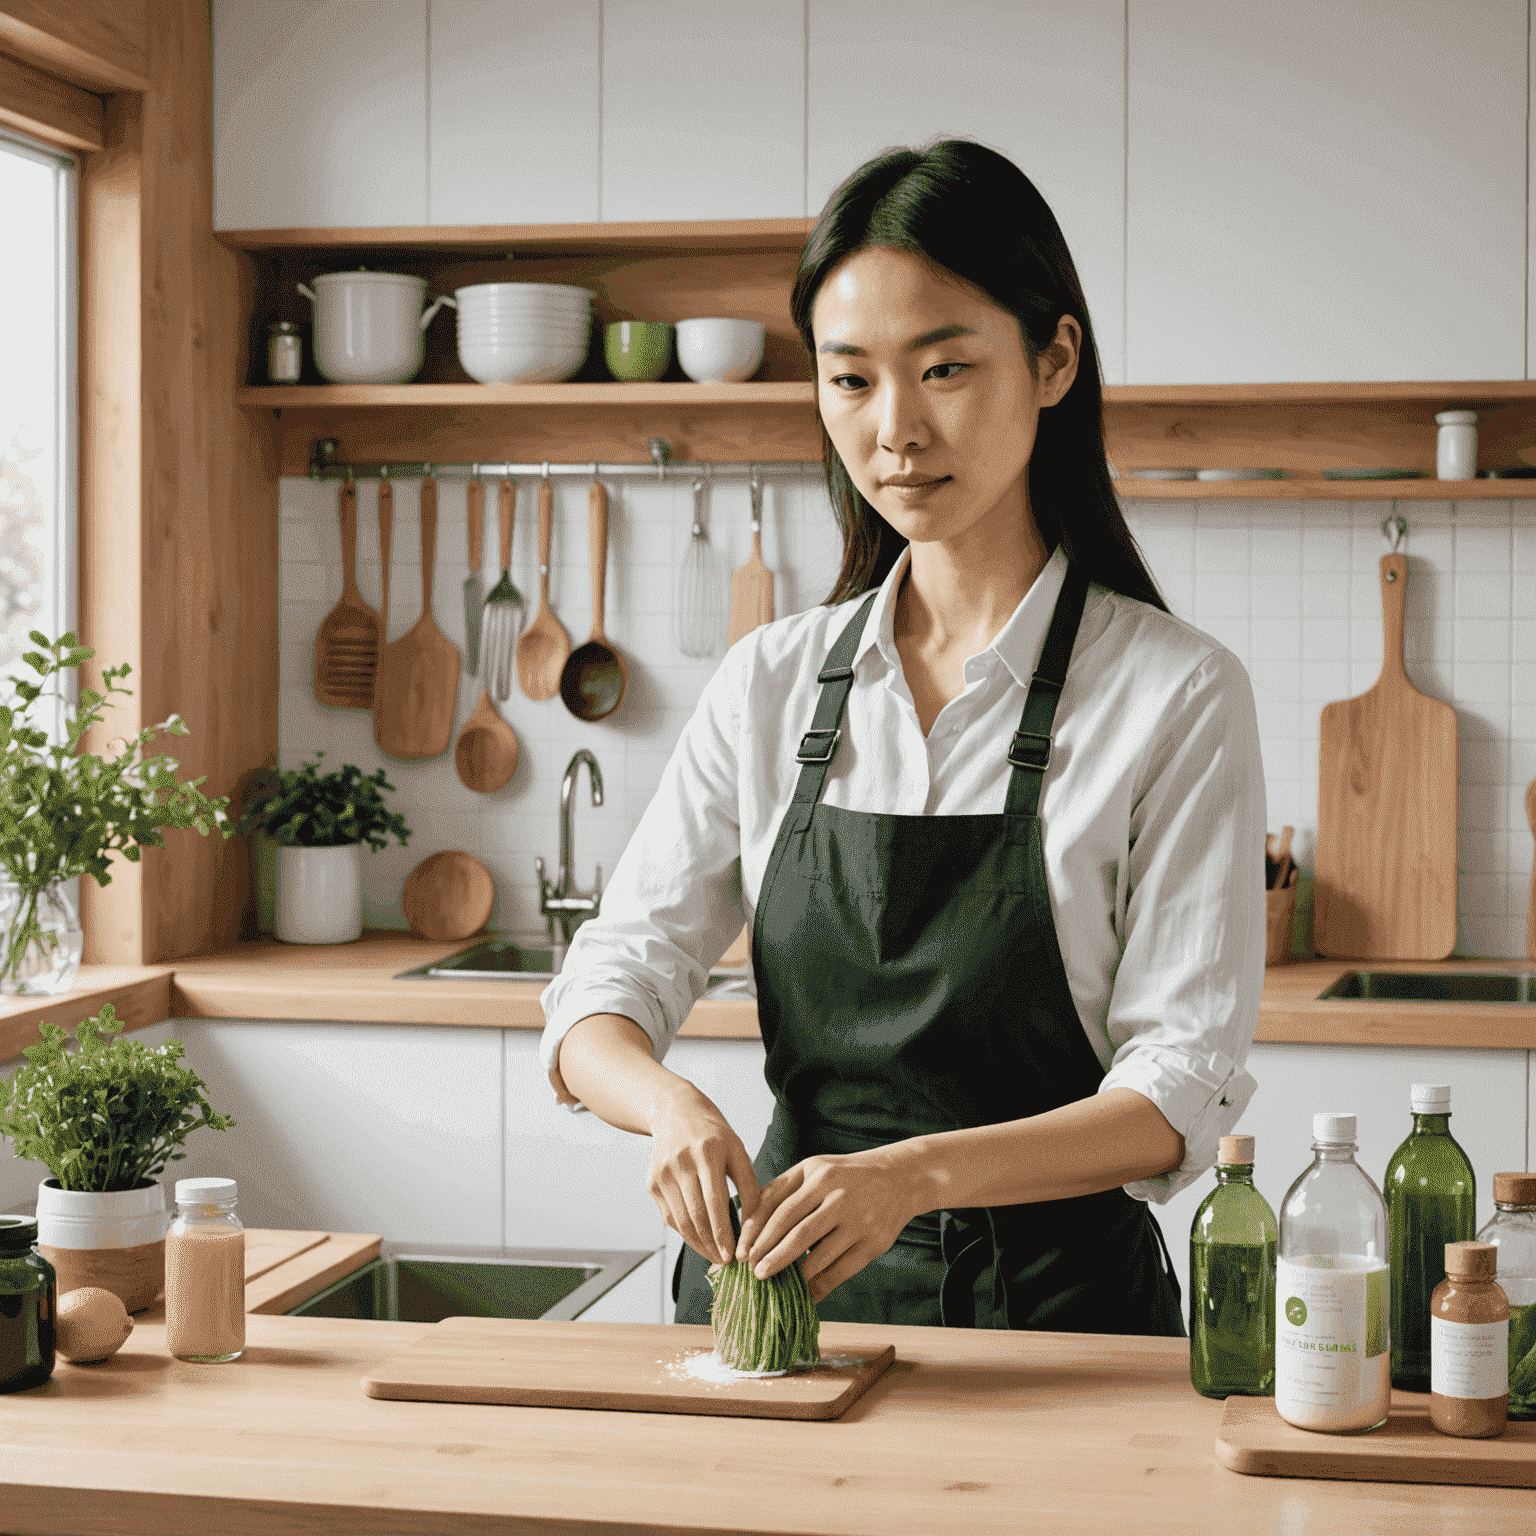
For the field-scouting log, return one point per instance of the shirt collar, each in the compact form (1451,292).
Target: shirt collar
(1017,644)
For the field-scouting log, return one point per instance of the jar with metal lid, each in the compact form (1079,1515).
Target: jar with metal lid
(1513,1232)
(285,352)
(29,1300)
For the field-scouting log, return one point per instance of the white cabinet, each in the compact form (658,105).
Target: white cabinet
(1040,81)
(703,109)
(513,117)
(1488,1091)
(319,113)
(1325,192)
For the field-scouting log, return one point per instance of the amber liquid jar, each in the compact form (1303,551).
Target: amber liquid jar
(1469,1345)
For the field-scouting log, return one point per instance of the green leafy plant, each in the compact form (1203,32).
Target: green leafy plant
(107,1116)
(763,1325)
(305,808)
(64,811)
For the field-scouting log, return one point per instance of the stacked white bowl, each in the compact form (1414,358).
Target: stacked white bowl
(522,333)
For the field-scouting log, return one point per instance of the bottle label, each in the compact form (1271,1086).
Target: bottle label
(1331,1339)
(1468,1359)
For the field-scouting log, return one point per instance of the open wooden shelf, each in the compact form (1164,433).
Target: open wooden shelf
(667,394)
(1311,489)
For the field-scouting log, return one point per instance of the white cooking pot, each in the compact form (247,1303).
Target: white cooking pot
(368,326)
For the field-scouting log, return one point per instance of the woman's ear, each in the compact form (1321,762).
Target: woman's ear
(1058,361)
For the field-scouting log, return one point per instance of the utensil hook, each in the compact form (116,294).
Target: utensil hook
(1395,531)
(756,485)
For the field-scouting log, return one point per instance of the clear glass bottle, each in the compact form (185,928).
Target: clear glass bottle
(44,960)
(1232,1282)
(1332,1328)
(1431,1197)
(205,1273)
(29,1296)
(1513,1232)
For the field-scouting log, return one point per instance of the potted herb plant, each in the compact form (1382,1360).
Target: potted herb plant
(64,811)
(104,1120)
(320,822)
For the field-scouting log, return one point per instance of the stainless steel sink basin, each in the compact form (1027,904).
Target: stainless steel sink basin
(427,1287)
(1435,986)
(501,957)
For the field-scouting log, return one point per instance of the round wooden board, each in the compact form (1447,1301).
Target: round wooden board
(449,895)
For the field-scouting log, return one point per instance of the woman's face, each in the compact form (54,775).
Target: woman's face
(926,392)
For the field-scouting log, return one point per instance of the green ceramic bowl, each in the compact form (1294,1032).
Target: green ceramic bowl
(638,350)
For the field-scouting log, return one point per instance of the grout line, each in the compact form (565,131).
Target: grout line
(427,99)
(805,110)
(602,26)
(1125,200)
(1527,188)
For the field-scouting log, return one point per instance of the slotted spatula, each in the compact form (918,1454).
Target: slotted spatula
(347,644)
(752,584)
(417,683)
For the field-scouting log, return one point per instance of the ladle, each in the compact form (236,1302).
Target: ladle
(595,675)
(486,752)
(544,646)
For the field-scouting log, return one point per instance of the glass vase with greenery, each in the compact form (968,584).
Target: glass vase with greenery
(65,811)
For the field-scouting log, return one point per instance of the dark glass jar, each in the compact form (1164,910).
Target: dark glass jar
(29,1300)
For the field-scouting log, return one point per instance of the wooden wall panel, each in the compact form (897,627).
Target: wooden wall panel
(100,44)
(35,102)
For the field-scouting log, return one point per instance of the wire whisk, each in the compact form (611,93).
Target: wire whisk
(701,587)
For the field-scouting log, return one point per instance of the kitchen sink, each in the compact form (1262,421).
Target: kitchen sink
(502,957)
(1435,986)
(413,1287)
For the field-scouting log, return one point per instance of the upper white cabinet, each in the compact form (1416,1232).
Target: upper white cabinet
(513,117)
(1326,192)
(319,113)
(1039,80)
(703,109)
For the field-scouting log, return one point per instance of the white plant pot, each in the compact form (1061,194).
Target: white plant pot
(320,894)
(115,1240)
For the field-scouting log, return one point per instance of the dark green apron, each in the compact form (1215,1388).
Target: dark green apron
(908,983)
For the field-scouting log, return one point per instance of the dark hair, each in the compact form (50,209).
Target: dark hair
(976,215)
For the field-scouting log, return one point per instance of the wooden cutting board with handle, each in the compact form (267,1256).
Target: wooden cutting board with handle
(752,583)
(449,895)
(417,682)
(1385,869)
(633,1367)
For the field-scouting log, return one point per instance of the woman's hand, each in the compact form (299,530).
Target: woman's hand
(847,1209)
(693,1149)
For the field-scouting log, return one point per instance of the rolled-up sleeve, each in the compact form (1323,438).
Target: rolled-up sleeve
(1185,999)
(675,902)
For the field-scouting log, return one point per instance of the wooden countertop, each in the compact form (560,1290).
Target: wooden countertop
(360,983)
(969,1431)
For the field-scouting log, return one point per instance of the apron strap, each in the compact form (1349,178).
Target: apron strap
(819,744)
(1030,753)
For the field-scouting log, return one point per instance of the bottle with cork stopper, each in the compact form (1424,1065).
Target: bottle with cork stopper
(205,1274)
(1512,1230)
(1469,1345)
(1232,1282)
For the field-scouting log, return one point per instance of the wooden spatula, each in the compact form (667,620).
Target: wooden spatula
(1386,811)
(417,683)
(752,584)
(347,645)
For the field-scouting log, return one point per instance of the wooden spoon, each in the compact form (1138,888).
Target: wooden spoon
(347,644)
(595,675)
(544,646)
(1530,911)
(486,751)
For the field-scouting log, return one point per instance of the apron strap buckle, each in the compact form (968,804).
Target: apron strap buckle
(1030,749)
(822,748)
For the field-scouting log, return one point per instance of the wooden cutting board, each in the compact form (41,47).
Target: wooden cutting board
(267,1247)
(1407,1449)
(1385,870)
(631,1367)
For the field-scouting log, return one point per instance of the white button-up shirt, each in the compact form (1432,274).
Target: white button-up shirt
(1153,812)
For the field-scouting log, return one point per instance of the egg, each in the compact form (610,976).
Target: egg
(91,1324)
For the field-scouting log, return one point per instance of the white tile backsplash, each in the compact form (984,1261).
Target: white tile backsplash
(1291,587)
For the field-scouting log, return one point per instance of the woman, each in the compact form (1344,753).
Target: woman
(996,817)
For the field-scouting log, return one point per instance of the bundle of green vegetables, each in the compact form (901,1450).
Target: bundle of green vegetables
(763,1325)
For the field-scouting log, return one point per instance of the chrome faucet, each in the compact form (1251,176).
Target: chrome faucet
(562,902)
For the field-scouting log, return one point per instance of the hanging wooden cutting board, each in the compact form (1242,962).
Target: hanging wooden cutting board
(417,681)
(1385,873)
(636,1367)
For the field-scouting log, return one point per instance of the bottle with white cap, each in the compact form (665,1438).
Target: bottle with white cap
(205,1274)
(1431,1201)
(1331,1292)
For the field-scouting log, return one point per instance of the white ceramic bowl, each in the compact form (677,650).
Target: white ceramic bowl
(521,363)
(715,351)
(524,312)
(481,293)
(545,325)
(368,326)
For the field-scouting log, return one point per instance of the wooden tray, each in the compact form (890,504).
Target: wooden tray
(1407,1449)
(632,1367)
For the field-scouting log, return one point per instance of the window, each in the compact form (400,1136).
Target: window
(39,284)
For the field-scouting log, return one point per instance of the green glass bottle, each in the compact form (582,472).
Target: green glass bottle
(1232,1282)
(1431,1201)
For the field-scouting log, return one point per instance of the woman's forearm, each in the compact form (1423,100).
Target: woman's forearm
(605,1061)
(1114,1138)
